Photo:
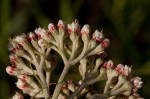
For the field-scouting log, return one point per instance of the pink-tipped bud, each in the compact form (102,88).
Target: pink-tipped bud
(136,95)
(24,77)
(126,70)
(32,36)
(119,68)
(21,85)
(105,43)
(74,27)
(22,40)
(51,27)
(40,32)
(10,70)
(17,96)
(61,24)
(69,81)
(13,58)
(109,64)
(43,43)
(98,36)
(85,29)
(71,85)
(13,46)
(137,82)
(64,86)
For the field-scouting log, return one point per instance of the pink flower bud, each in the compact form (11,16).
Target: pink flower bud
(43,43)
(98,36)
(10,70)
(61,24)
(14,71)
(40,32)
(105,43)
(51,27)
(32,36)
(13,46)
(86,29)
(126,70)
(22,40)
(17,96)
(64,86)
(119,68)
(74,27)
(71,85)
(24,77)
(13,57)
(137,82)
(22,85)
(69,81)
(109,64)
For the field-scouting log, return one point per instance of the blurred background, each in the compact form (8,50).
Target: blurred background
(125,22)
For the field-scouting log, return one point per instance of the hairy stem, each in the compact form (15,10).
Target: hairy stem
(81,55)
(60,81)
(107,86)
(40,72)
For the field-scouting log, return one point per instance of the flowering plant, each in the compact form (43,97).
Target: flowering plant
(32,63)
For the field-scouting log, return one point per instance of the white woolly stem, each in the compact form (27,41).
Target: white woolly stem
(108,82)
(81,55)
(60,81)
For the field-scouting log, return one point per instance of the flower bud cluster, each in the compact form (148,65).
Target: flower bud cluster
(119,80)
(69,87)
(32,63)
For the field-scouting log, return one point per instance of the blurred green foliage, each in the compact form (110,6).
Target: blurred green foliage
(125,22)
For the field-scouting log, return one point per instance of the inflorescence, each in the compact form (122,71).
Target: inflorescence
(32,64)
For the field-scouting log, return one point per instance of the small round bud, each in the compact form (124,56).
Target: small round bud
(10,70)
(43,43)
(17,96)
(22,85)
(24,78)
(137,82)
(51,27)
(86,29)
(126,70)
(73,27)
(22,40)
(61,25)
(105,43)
(109,64)
(98,36)
(119,68)
(32,36)
(71,85)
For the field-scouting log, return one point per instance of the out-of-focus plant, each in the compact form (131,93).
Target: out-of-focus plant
(32,63)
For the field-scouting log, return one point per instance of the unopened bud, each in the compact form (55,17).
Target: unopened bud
(51,27)
(105,43)
(17,96)
(98,36)
(61,24)
(73,27)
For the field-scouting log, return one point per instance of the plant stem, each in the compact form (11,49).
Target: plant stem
(60,81)
(107,85)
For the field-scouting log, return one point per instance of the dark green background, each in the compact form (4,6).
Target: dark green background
(125,22)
